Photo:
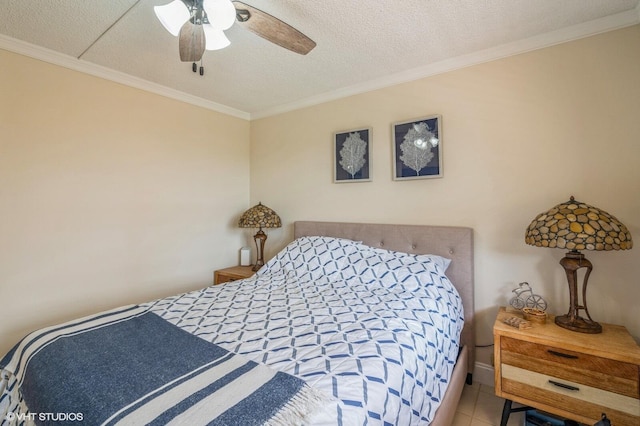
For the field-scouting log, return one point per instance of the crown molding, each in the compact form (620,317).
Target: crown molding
(587,29)
(69,62)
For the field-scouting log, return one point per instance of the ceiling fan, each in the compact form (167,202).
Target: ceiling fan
(200,26)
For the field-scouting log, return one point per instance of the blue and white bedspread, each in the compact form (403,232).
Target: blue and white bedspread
(377,331)
(130,367)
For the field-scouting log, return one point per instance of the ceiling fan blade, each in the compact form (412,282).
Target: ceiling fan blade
(272,29)
(191,42)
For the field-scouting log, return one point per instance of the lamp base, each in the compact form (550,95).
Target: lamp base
(572,262)
(259,238)
(578,324)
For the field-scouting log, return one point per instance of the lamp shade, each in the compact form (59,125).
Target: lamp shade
(578,226)
(216,39)
(172,16)
(259,216)
(220,13)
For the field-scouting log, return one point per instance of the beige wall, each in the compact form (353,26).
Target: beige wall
(108,195)
(519,136)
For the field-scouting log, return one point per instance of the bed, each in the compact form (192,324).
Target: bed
(455,243)
(349,324)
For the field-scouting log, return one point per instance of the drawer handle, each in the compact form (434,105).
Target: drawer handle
(564,386)
(560,354)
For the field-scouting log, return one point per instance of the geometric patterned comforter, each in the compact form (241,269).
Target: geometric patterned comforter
(377,330)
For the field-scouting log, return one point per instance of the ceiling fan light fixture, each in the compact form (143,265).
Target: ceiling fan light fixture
(172,16)
(215,38)
(200,25)
(221,13)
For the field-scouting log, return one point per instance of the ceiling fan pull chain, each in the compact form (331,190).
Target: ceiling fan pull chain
(194,67)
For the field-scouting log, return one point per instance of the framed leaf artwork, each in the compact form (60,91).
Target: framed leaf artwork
(352,156)
(417,148)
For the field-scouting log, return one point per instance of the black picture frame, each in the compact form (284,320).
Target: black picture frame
(417,148)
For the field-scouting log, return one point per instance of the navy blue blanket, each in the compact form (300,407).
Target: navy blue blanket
(129,366)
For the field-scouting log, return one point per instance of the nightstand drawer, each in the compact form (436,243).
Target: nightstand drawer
(606,374)
(574,397)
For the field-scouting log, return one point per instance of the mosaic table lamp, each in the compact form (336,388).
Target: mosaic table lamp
(259,216)
(577,226)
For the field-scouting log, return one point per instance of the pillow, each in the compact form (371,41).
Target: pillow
(406,259)
(370,264)
(412,272)
(399,257)
(314,256)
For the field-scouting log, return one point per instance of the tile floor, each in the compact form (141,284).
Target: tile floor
(479,406)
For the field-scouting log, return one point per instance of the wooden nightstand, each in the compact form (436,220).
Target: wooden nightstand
(574,375)
(231,274)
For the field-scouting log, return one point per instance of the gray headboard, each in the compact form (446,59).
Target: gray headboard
(455,243)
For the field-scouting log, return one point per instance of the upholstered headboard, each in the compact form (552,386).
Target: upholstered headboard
(455,243)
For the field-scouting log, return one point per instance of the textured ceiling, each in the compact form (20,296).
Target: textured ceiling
(361,44)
